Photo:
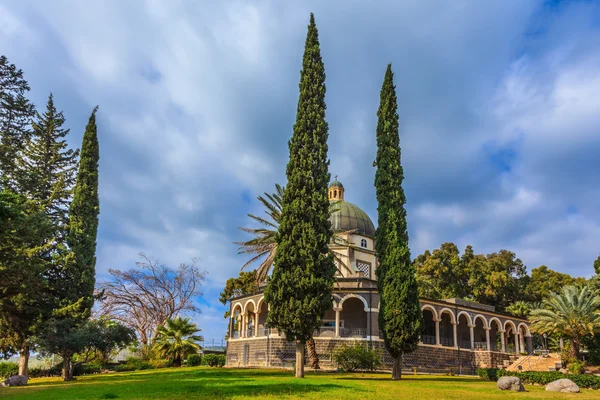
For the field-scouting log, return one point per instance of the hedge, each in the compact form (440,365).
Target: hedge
(214,360)
(8,369)
(541,378)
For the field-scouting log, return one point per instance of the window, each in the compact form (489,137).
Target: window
(335,194)
(363,243)
(364,267)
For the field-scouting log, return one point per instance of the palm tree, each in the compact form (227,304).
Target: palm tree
(176,339)
(264,246)
(573,313)
(264,243)
(519,309)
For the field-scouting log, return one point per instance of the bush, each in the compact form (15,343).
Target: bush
(133,364)
(214,360)
(193,360)
(8,369)
(161,363)
(356,357)
(491,374)
(44,372)
(544,378)
(577,368)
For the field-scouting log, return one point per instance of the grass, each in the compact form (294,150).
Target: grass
(213,383)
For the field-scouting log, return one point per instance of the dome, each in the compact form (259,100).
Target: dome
(346,216)
(336,184)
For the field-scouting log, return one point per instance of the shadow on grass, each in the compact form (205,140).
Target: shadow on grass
(412,378)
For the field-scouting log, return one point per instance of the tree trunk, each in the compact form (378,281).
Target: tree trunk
(575,348)
(313,357)
(299,359)
(397,370)
(67,369)
(24,361)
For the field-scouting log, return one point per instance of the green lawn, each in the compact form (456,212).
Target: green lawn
(212,383)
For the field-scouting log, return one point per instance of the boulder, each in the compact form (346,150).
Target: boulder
(15,380)
(510,383)
(563,371)
(563,385)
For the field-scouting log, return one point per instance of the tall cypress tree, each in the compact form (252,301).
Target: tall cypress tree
(15,117)
(399,311)
(299,291)
(73,283)
(48,166)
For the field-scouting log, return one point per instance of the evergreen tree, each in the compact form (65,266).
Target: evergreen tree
(299,291)
(15,117)
(48,166)
(73,283)
(597,266)
(399,311)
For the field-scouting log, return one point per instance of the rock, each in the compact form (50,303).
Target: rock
(563,385)
(563,371)
(510,383)
(15,380)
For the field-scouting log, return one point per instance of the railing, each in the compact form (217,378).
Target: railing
(428,339)
(481,346)
(325,331)
(446,341)
(357,332)
(464,344)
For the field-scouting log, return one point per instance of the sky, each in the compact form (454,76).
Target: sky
(498,101)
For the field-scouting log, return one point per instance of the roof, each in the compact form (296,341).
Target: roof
(336,183)
(346,217)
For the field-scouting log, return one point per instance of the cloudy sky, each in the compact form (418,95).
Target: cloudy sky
(499,110)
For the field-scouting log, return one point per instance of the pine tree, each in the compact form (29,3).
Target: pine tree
(399,311)
(15,117)
(300,290)
(73,284)
(48,166)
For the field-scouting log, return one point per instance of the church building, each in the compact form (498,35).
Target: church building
(459,335)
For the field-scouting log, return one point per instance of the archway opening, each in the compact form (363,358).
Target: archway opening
(428,336)
(479,333)
(463,332)
(263,311)
(446,330)
(353,318)
(495,336)
(511,346)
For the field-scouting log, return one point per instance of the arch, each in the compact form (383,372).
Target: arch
(235,306)
(485,322)
(449,311)
(246,306)
(469,319)
(363,243)
(259,303)
(526,330)
(509,322)
(498,322)
(432,309)
(341,303)
(336,304)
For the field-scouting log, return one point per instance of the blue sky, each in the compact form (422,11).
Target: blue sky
(498,105)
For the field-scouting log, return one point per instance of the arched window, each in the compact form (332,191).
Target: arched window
(335,194)
(363,243)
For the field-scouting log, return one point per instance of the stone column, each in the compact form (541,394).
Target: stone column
(437,332)
(562,344)
(487,339)
(455,333)
(529,344)
(472,333)
(337,321)
(244,325)
(369,323)
(256,318)
(503,340)
(522,343)
(516,335)
(231,318)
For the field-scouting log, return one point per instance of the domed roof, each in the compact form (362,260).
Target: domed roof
(346,216)
(336,184)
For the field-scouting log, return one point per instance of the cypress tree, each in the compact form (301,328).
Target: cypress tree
(399,311)
(299,291)
(15,117)
(48,166)
(73,284)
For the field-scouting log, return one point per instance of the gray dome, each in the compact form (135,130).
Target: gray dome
(346,216)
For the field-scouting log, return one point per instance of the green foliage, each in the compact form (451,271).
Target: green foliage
(48,166)
(400,317)
(519,309)
(25,240)
(597,265)
(545,281)
(573,313)
(157,363)
(244,284)
(176,339)
(299,291)
(491,374)
(8,369)
(193,360)
(544,378)
(133,364)
(356,357)
(577,367)
(214,360)
(15,119)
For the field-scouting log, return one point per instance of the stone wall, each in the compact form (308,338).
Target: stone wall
(491,359)
(278,352)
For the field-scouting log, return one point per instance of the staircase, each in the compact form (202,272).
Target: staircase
(534,362)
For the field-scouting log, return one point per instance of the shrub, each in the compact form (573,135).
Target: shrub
(214,360)
(544,378)
(356,357)
(193,360)
(577,368)
(491,374)
(161,363)
(8,369)
(133,364)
